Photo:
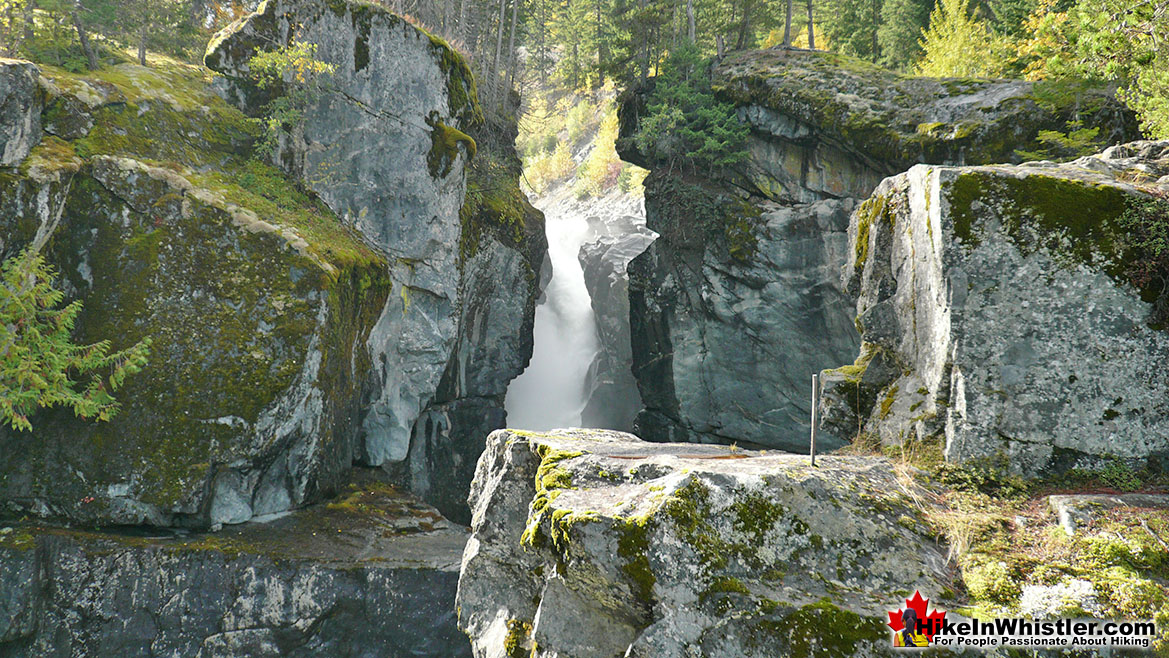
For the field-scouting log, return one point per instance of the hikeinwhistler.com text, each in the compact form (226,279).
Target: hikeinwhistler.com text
(1018,632)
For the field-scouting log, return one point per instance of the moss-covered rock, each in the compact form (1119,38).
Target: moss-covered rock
(629,548)
(397,146)
(257,298)
(847,108)
(1015,306)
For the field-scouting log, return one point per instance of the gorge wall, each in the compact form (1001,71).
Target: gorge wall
(456,327)
(740,300)
(360,305)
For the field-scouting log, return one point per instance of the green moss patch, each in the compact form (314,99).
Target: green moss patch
(1076,222)
(444,148)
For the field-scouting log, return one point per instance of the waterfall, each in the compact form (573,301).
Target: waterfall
(552,392)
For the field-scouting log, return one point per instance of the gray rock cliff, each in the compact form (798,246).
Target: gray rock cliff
(373,574)
(739,302)
(20,110)
(259,310)
(462,243)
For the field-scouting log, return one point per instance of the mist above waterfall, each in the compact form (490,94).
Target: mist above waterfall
(552,392)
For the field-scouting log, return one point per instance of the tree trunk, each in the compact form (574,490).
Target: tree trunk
(876,23)
(744,27)
(718,45)
(86,47)
(690,19)
(461,29)
(29,7)
(787,26)
(811,29)
(641,5)
(602,53)
(494,81)
(511,54)
(142,46)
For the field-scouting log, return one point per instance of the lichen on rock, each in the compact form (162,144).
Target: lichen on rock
(1004,297)
(652,548)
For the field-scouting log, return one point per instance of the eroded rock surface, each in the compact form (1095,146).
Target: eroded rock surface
(738,303)
(1001,309)
(375,147)
(387,147)
(259,311)
(373,574)
(595,543)
(20,110)
(617,235)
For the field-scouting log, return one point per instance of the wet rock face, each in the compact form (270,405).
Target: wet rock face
(737,304)
(20,110)
(372,575)
(999,306)
(594,543)
(727,331)
(617,235)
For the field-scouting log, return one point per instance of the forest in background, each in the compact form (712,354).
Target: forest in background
(561,52)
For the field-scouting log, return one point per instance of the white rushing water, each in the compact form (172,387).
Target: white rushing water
(552,391)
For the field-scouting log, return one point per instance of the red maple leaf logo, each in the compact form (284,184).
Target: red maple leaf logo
(931,621)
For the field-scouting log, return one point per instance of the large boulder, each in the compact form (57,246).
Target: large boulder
(737,304)
(373,574)
(1010,310)
(21,101)
(594,543)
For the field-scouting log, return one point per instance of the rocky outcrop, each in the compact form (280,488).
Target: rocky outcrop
(371,574)
(20,110)
(386,147)
(829,126)
(732,308)
(617,235)
(738,302)
(365,147)
(259,309)
(1015,310)
(501,251)
(594,543)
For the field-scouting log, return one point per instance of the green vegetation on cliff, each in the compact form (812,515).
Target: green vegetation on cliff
(40,366)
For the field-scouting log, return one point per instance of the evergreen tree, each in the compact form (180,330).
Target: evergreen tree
(901,24)
(685,125)
(852,27)
(40,366)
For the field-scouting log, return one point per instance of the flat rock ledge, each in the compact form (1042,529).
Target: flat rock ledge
(371,574)
(595,543)
(1076,510)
